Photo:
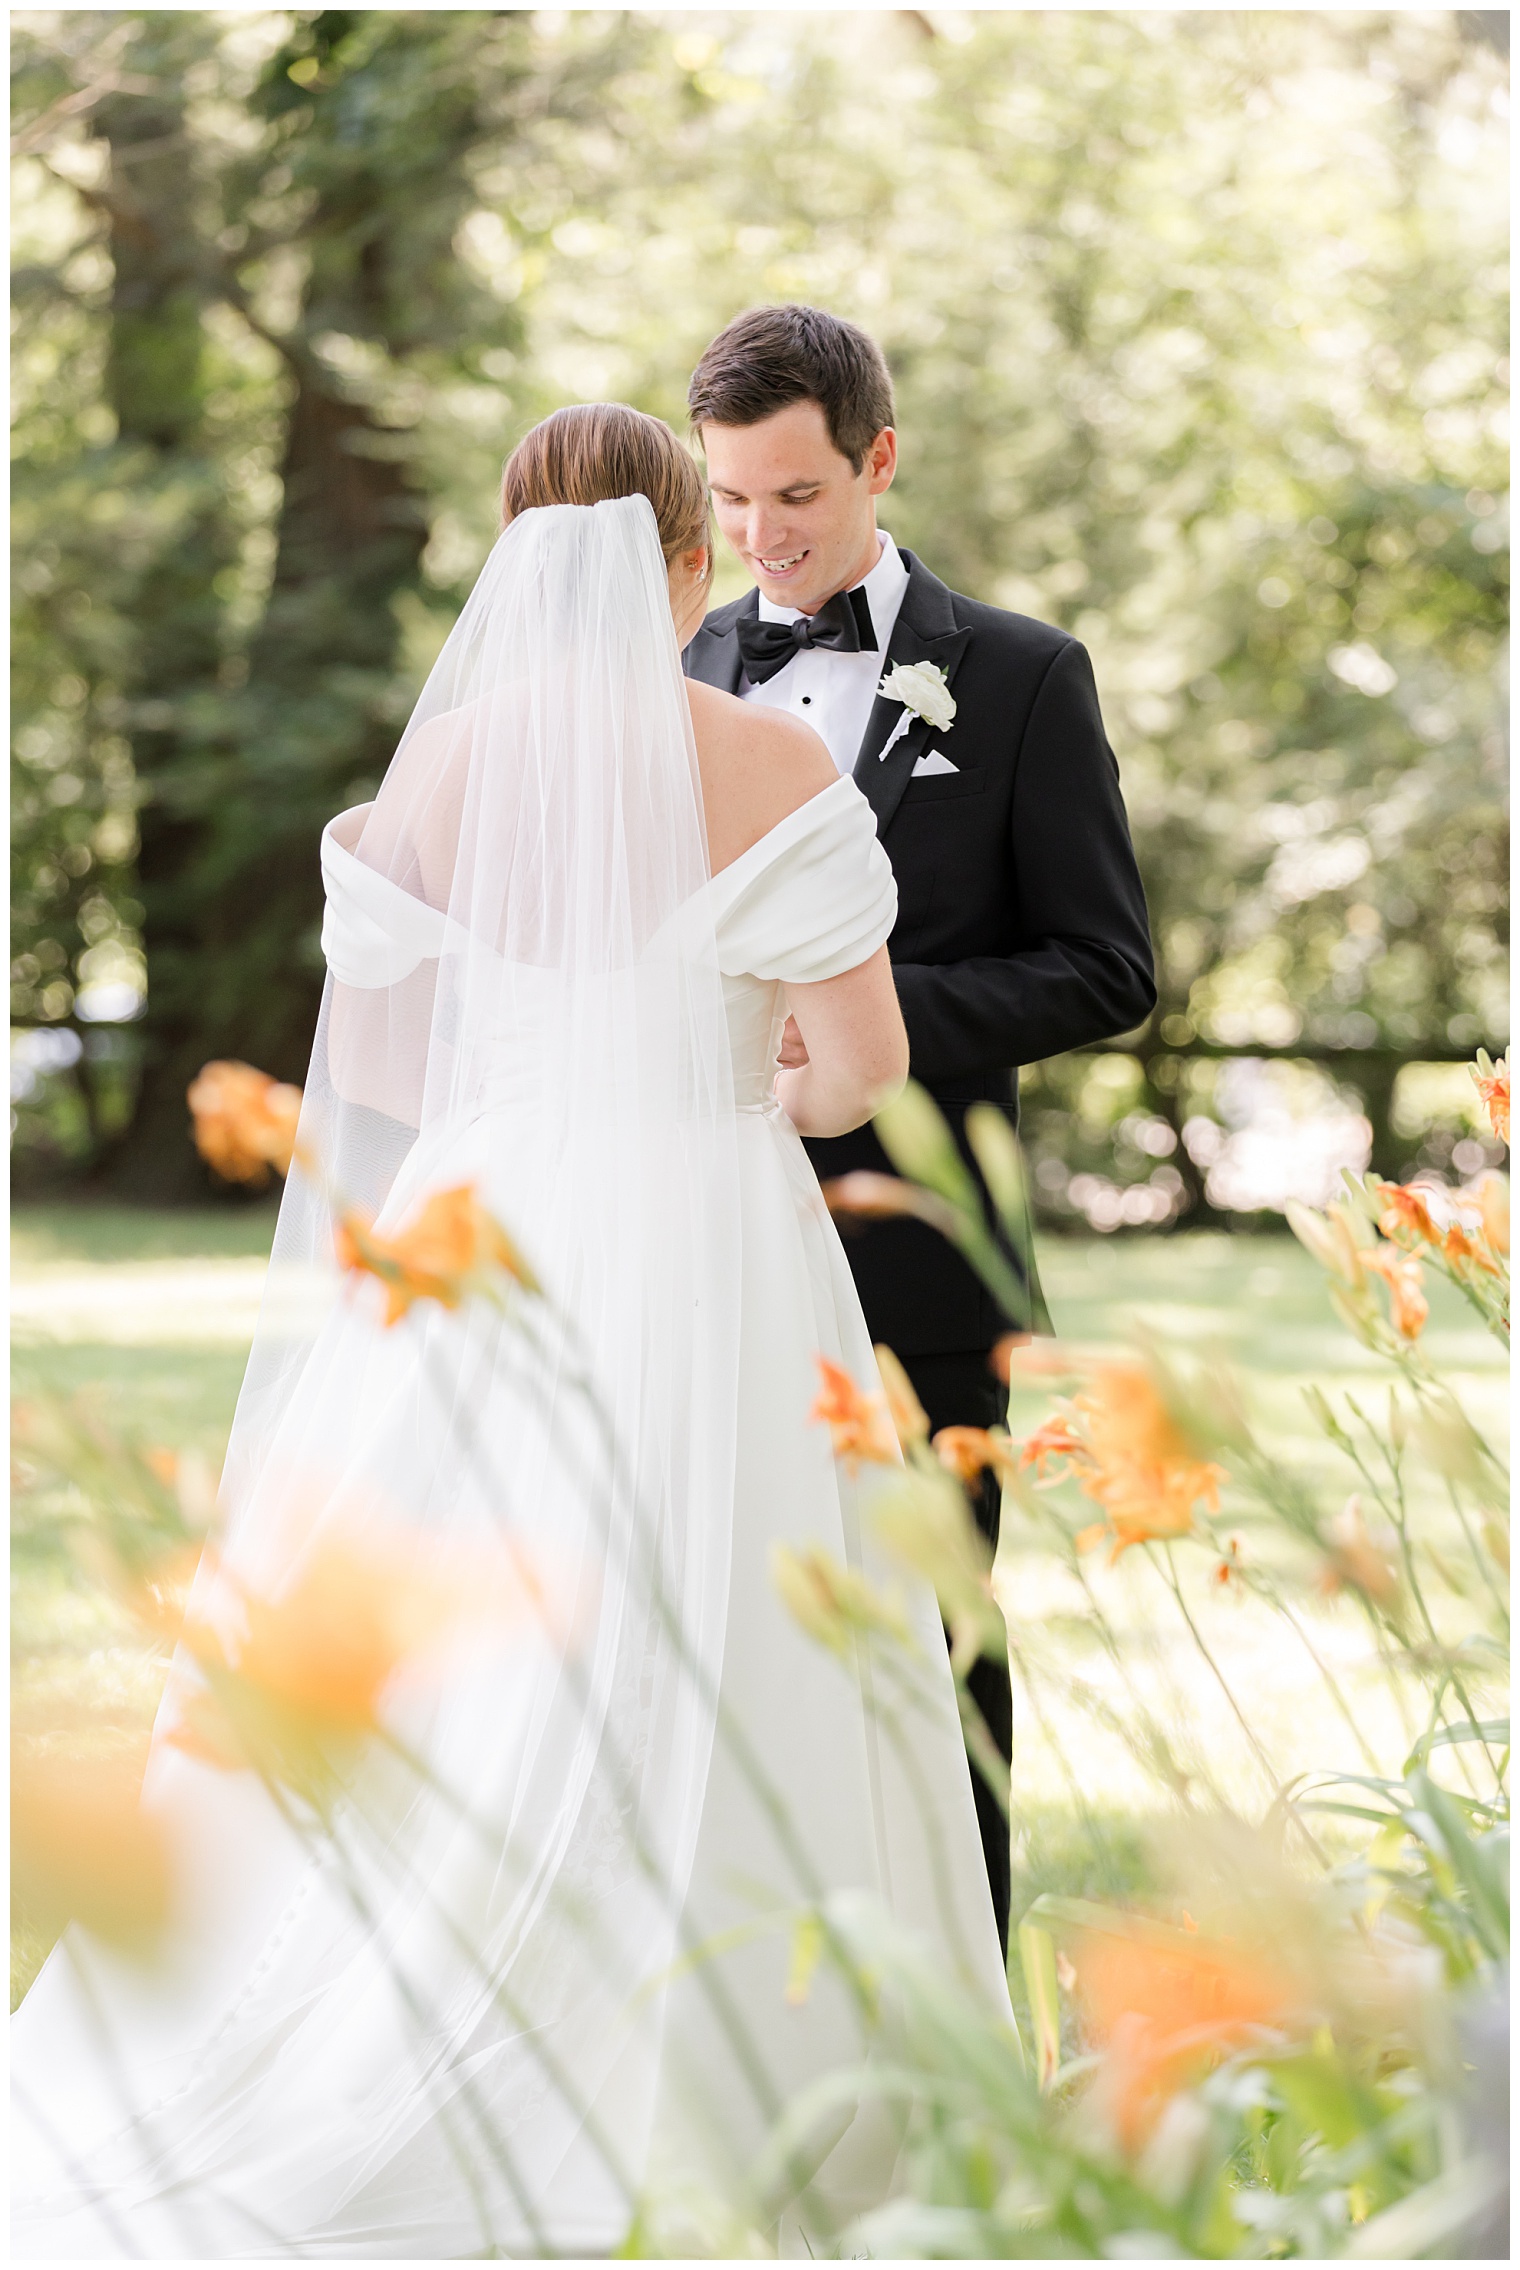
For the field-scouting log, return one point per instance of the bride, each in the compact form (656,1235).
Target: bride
(524,1966)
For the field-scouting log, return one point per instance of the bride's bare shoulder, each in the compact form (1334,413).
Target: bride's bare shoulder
(757,765)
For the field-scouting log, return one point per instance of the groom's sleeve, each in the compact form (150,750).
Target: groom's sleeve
(1080,969)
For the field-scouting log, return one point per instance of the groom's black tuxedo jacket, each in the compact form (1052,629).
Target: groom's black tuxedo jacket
(1021,926)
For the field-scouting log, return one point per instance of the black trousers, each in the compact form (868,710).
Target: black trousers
(960,1391)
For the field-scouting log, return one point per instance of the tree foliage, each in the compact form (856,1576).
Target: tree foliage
(1197,325)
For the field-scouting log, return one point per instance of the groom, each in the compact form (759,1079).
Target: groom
(1021,926)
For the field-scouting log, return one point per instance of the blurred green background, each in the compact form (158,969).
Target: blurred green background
(1198,327)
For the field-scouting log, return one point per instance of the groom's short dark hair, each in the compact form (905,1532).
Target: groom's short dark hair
(774,356)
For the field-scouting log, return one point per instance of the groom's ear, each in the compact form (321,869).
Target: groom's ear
(880,465)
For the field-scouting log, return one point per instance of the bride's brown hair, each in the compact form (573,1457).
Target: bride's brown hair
(596,450)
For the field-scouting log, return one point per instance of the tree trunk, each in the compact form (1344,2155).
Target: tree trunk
(236,905)
(155,386)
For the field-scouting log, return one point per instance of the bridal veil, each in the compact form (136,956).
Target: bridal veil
(429,2018)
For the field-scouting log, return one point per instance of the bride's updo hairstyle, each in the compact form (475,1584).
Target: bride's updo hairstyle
(598,450)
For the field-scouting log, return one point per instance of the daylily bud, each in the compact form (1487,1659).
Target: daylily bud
(919,1143)
(908,1415)
(1329,1238)
(996,1149)
(870,1197)
(1492,1193)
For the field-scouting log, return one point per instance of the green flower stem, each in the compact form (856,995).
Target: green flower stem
(1099,1837)
(1277,1600)
(1398,1513)
(1479,1558)
(1170,1572)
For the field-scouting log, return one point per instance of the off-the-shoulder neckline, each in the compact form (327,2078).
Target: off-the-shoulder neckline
(787,824)
(793,822)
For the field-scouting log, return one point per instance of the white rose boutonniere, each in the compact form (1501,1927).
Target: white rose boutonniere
(923,688)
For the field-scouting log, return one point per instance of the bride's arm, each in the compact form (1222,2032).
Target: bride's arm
(377,1035)
(857,1049)
(377,1044)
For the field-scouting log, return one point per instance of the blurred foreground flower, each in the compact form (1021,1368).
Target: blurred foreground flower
(1492,1083)
(1405,1219)
(833,1604)
(925,1522)
(193,1480)
(883,1198)
(908,1414)
(1492,1194)
(1404,1277)
(1357,1560)
(83,1850)
(449,1249)
(1122,1447)
(1167,2005)
(860,1425)
(292,1676)
(1333,1240)
(1404,1215)
(244,1122)
(970,1452)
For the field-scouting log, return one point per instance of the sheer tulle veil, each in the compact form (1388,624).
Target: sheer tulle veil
(454,2031)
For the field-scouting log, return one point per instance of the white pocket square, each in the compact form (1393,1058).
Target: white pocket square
(932,760)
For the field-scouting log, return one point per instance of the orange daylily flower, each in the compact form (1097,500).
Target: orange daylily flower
(447,1250)
(1403,1215)
(361,1607)
(293,1676)
(1165,2009)
(969,1451)
(1457,1246)
(1124,1451)
(1055,1437)
(1404,1276)
(1492,1083)
(82,1848)
(860,1424)
(244,1122)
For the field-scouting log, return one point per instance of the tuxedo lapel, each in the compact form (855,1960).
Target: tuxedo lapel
(925,631)
(713,655)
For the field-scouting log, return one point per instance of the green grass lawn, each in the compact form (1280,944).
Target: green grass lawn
(149,1315)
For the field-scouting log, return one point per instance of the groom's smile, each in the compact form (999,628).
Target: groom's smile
(799,514)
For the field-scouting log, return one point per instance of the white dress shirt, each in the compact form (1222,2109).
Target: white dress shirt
(833,692)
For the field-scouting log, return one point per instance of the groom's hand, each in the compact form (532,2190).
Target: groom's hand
(793,1052)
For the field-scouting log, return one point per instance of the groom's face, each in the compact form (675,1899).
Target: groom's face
(798,514)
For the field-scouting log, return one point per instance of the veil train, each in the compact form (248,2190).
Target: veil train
(430,2015)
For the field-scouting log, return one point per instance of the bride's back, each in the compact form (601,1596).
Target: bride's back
(756,766)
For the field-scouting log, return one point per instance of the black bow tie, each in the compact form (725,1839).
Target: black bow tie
(843,623)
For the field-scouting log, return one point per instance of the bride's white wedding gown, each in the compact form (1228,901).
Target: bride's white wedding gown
(251,2096)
